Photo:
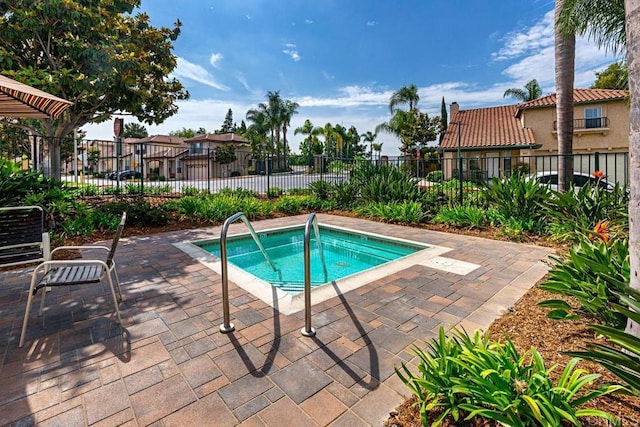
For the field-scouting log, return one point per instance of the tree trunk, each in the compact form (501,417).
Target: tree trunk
(632,11)
(565,50)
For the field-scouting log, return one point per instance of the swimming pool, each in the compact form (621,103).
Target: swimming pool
(428,255)
(345,253)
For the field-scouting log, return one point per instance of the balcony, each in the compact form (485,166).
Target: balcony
(586,124)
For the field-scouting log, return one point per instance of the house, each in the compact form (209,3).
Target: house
(201,162)
(160,155)
(493,141)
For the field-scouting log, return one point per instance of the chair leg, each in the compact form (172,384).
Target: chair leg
(28,308)
(44,294)
(115,273)
(115,299)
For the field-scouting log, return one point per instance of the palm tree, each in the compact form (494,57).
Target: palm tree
(377,147)
(404,95)
(311,135)
(332,139)
(369,137)
(601,20)
(633,63)
(530,92)
(565,55)
(289,108)
(257,130)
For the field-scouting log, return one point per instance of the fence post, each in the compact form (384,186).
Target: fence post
(208,170)
(596,160)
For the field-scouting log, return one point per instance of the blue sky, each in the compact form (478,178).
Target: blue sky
(342,59)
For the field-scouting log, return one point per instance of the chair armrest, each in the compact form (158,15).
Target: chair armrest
(79,248)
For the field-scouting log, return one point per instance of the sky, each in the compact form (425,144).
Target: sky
(341,60)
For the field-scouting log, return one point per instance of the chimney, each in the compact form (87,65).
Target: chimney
(453,109)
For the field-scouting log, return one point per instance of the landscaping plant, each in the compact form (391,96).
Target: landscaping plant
(466,376)
(624,360)
(517,197)
(594,273)
(402,212)
(462,216)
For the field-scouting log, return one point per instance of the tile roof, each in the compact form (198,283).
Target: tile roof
(161,140)
(217,137)
(580,96)
(487,127)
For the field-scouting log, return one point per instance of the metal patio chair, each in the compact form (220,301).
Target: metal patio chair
(75,272)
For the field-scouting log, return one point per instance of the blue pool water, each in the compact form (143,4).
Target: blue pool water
(345,253)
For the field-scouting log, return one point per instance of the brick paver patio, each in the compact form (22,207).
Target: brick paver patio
(170,365)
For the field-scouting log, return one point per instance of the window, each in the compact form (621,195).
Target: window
(593,117)
(195,148)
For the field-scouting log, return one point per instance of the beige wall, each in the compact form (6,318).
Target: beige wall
(613,138)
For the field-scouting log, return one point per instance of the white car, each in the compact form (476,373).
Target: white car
(580,179)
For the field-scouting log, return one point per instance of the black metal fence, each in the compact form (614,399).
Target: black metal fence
(105,167)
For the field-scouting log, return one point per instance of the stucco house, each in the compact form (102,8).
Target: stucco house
(161,155)
(493,141)
(200,161)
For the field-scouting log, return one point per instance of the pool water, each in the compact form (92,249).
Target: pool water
(346,253)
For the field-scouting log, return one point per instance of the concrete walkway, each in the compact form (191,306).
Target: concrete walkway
(171,366)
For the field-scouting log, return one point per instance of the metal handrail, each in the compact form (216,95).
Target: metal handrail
(312,221)
(227,326)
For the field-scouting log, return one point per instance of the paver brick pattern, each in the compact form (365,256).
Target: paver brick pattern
(169,364)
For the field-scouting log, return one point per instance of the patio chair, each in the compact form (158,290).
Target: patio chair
(75,272)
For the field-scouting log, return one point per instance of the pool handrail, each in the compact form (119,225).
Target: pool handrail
(312,221)
(227,326)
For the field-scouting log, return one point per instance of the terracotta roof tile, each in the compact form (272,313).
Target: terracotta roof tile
(580,96)
(487,127)
(217,137)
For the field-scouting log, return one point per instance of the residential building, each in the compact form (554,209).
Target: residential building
(493,141)
(200,161)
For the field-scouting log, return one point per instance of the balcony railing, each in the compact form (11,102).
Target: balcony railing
(594,123)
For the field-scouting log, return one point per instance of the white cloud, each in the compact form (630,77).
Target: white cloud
(243,80)
(291,51)
(189,71)
(371,23)
(308,21)
(215,59)
(328,76)
(532,39)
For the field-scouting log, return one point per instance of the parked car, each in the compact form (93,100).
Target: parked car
(125,175)
(580,179)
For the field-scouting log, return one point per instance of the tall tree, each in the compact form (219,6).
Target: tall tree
(227,125)
(188,132)
(289,108)
(615,76)
(444,119)
(369,137)
(309,143)
(406,95)
(96,54)
(632,8)
(258,130)
(413,128)
(530,92)
(134,130)
(565,55)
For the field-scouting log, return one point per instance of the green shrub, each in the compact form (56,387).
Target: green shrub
(139,212)
(405,212)
(595,274)
(299,191)
(188,190)
(517,197)
(624,362)
(274,192)
(467,376)
(290,205)
(385,183)
(16,184)
(575,212)
(321,189)
(337,167)
(434,176)
(345,194)
(240,192)
(462,216)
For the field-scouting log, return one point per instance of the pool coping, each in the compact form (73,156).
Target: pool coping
(287,303)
